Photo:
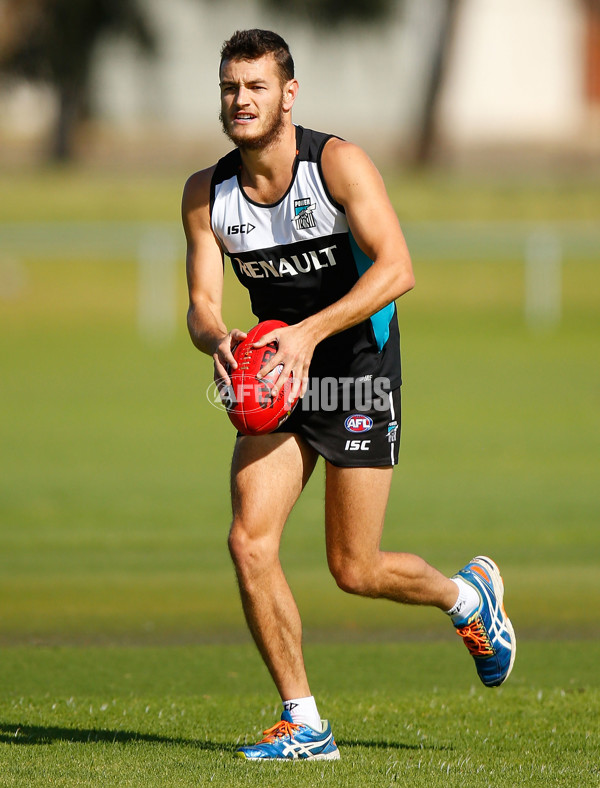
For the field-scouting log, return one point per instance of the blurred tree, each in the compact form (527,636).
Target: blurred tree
(427,130)
(336,12)
(53,41)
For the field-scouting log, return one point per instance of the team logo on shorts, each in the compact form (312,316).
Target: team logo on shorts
(358,422)
(304,214)
(392,431)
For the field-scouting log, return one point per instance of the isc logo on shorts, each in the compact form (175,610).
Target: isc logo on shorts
(358,423)
(357,445)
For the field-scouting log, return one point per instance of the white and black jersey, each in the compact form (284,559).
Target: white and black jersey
(298,256)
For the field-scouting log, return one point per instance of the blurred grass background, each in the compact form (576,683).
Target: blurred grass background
(114,502)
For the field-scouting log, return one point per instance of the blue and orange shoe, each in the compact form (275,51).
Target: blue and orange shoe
(488,633)
(290,741)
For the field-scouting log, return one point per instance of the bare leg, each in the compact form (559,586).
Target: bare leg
(355,504)
(268,474)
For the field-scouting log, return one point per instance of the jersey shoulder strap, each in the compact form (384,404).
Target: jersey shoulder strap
(311,143)
(310,147)
(227,167)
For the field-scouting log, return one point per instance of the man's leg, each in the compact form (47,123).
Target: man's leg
(268,474)
(355,504)
(356,499)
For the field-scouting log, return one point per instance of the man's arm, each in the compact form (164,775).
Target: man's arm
(355,183)
(204,263)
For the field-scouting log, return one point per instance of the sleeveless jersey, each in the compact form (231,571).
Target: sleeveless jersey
(298,256)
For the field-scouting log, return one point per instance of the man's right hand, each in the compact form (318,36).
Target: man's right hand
(223,356)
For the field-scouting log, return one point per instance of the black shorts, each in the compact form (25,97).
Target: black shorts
(350,436)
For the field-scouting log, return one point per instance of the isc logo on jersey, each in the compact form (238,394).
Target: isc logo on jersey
(243,229)
(358,423)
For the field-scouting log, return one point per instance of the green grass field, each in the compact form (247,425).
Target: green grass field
(124,656)
(403,714)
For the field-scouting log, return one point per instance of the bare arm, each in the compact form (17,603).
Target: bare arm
(204,263)
(355,183)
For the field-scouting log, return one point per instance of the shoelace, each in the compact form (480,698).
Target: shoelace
(278,731)
(477,639)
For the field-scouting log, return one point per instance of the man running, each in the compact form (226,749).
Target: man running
(310,231)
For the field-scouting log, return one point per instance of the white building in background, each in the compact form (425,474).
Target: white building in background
(516,77)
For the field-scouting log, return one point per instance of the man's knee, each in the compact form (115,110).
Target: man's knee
(352,576)
(250,553)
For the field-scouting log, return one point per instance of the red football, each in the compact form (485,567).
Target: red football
(249,404)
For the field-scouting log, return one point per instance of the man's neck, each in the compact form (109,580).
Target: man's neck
(267,173)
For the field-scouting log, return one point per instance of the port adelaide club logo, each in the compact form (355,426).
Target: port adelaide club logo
(304,214)
(358,422)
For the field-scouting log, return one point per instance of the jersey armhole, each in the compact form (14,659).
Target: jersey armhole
(225,167)
(323,180)
(213,189)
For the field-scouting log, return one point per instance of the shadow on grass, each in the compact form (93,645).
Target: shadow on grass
(11,733)
(387,745)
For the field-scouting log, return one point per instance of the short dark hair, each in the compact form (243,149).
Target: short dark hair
(255,43)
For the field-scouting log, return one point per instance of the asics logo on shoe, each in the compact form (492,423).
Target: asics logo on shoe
(497,627)
(296,749)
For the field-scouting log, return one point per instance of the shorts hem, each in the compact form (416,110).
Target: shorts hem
(371,464)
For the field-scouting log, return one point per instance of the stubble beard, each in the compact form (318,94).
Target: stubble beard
(271,133)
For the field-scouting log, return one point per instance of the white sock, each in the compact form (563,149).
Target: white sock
(304,711)
(467,603)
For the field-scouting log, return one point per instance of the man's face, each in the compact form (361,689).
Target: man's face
(252,102)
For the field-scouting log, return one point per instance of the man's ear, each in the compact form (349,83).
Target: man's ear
(290,91)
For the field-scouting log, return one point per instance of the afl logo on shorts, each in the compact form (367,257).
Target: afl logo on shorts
(358,423)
